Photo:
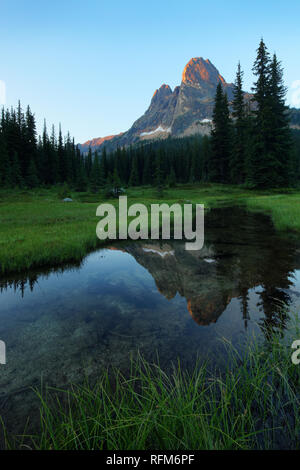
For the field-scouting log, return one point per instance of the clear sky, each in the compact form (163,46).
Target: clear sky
(94,65)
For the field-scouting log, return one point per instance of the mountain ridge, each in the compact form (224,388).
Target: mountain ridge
(98,141)
(185,111)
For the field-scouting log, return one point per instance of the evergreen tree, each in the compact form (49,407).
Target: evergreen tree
(88,163)
(221,139)
(60,157)
(197,157)
(53,158)
(134,174)
(238,155)
(80,177)
(32,180)
(24,161)
(116,183)
(70,177)
(15,173)
(281,147)
(172,178)
(192,166)
(261,167)
(147,174)
(95,178)
(30,141)
(103,167)
(4,160)
(19,144)
(206,156)
(158,177)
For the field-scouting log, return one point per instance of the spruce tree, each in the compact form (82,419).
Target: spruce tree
(172,178)
(282,152)
(53,158)
(206,156)
(158,177)
(261,165)
(197,156)
(95,177)
(4,160)
(134,174)
(88,163)
(60,157)
(32,180)
(147,177)
(80,182)
(238,154)
(221,139)
(30,140)
(192,166)
(103,167)
(116,183)
(19,144)
(16,179)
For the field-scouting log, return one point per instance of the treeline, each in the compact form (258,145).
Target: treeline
(254,145)
(251,143)
(158,163)
(295,117)
(29,161)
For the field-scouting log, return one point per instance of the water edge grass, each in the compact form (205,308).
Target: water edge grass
(252,404)
(37,229)
(284,210)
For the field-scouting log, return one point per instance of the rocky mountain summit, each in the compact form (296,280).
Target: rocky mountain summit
(185,111)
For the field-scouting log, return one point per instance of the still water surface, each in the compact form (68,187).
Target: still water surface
(68,323)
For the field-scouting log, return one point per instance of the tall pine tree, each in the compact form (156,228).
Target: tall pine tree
(238,154)
(221,139)
(281,148)
(261,166)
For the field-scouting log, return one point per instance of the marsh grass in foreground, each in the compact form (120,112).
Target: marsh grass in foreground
(254,404)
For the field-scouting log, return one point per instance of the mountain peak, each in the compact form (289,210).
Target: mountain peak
(199,70)
(164,90)
(187,110)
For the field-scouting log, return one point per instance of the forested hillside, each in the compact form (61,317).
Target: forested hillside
(250,144)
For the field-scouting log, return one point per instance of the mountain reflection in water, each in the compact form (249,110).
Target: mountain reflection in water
(70,322)
(241,252)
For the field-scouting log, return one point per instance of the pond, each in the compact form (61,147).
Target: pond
(64,324)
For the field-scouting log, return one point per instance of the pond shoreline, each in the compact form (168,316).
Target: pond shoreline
(39,231)
(64,325)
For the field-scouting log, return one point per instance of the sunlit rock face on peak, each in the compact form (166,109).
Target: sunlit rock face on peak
(196,97)
(162,92)
(198,70)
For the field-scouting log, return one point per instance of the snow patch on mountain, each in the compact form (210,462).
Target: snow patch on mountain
(158,129)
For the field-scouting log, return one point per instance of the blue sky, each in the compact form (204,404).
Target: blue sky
(94,65)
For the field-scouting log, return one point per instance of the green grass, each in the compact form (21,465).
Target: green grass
(254,404)
(284,210)
(37,229)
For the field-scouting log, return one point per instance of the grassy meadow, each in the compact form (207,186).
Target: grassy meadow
(38,229)
(252,405)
